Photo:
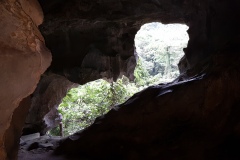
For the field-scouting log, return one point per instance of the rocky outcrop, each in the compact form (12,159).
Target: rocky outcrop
(23,58)
(188,120)
(107,28)
(36,147)
(212,28)
(95,65)
(193,119)
(14,132)
(110,26)
(43,114)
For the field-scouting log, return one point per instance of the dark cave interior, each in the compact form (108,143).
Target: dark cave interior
(43,45)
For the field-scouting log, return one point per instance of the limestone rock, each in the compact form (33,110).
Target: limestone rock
(46,145)
(188,120)
(193,119)
(34,145)
(22,142)
(23,58)
(30,137)
(41,143)
(43,114)
(104,27)
(33,9)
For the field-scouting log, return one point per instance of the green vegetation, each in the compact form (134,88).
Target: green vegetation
(82,105)
(159,48)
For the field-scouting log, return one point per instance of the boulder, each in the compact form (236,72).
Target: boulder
(23,59)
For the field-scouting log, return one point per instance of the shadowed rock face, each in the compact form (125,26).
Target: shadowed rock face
(43,114)
(74,29)
(192,120)
(90,40)
(14,132)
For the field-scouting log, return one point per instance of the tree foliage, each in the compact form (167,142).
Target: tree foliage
(83,104)
(160,48)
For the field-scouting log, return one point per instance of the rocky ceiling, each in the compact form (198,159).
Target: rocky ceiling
(196,117)
(103,29)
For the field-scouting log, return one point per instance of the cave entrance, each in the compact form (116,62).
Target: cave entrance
(82,105)
(158,49)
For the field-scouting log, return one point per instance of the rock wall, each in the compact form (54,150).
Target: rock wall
(110,26)
(106,27)
(14,132)
(43,114)
(183,120)
(52,88)
(23,58)
(94,40)
(191,118)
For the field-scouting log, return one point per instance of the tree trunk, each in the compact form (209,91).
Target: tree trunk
(168,67)
(61,129)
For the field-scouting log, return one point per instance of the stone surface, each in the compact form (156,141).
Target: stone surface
(189,120)
(94,40)
(110,26)
(40,149)
(41,142)
(14,132)
(102,30)
(43,114)
(23,58)
(193,119)
(30,136)
(33,9)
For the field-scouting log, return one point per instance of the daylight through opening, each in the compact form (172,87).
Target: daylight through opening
(158,49)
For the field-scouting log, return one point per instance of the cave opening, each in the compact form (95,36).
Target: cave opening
(194,116)
(158,49)
(83,104)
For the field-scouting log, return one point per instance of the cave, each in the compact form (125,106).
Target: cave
(47,47)
(158,50)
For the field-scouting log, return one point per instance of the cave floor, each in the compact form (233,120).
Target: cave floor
(38,155)
(40,148)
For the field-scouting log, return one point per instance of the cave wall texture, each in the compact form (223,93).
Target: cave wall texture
(193,118)
(23,58)
(43,114)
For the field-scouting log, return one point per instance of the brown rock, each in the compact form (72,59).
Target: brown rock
(23,58)
(33,9)
(189,120)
